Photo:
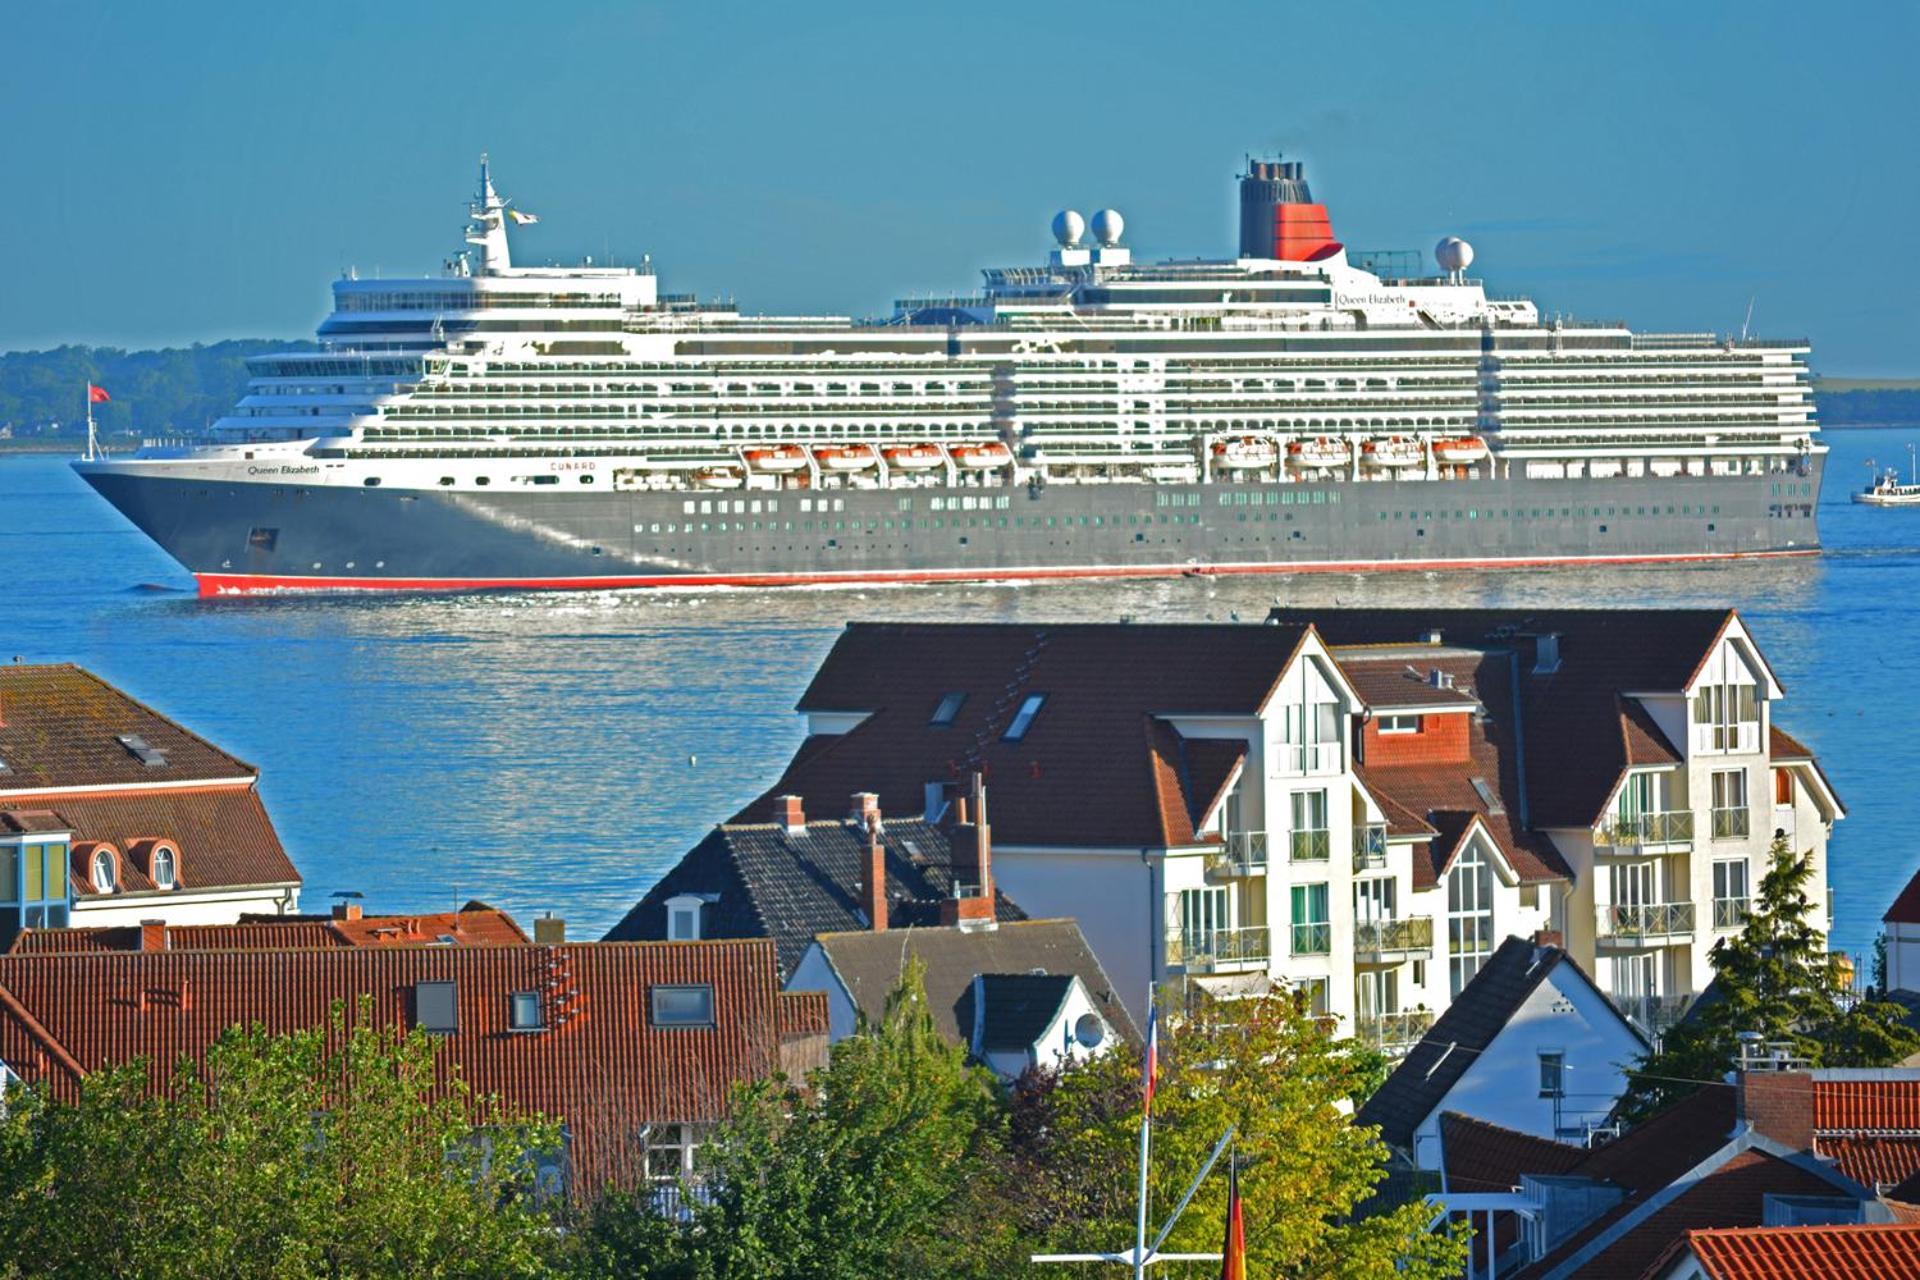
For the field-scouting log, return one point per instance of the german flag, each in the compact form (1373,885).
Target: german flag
(1233,1253)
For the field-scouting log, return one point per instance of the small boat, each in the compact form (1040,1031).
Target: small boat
(1247,453)
(1886,489)
(981,457)
(779,458)
(848,457)
(1460,450)
(1318,454)
(914,457)
(1393,453)
(719,478)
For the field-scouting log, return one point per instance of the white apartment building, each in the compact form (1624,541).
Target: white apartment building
(1362,804)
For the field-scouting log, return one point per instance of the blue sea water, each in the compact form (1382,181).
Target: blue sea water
(559,752)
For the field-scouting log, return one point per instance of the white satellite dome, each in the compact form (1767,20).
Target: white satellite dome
(1453,254)
(1068,227)
(1108,226)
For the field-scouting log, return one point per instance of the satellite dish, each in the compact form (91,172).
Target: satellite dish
(1453,254)
(1068,227)
(1107,226)
(1089,1031)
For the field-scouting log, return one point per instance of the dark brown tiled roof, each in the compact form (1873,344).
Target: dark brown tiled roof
(1659,1149)
(790,888)
(1488,1157)
(61,726)
(1906,907)
(1856,1251)
(223,834)
(599,1065)
(1396,681)
(477,926)
(1089,752)
(869,965)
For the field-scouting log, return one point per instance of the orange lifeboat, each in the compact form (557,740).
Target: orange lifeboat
(1460,450)
(847,457)
(777,458)
(1393,453)
(1247,453)
(914,457)
(719,478)
(1318,454)
(981,457)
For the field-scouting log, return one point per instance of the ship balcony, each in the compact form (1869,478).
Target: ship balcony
(1244,853)
(1219,950)
(1391,941)
(1393,1034)
(1670,832)
(1652,924)
(1370,846)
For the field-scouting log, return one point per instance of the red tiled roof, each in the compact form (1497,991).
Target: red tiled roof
(1487,1157)
(1782,745)
(599,1065)
(478,925)
(1872,1161)
(1861,1251)
(61,726)
(223,834)
(1866,1106)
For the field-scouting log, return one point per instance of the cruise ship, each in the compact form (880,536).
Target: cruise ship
(1297,407)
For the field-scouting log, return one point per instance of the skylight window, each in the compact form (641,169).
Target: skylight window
(436,1008)
(523,1011)
(143,751)
(1023,718)
(687,1006)
(949,709)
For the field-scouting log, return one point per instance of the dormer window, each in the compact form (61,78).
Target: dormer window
(1400,724)
(683,917)
(163,875)
(1023,718)
(948,710)
(104,880)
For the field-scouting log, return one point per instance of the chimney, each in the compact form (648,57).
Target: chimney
(346,911)
(1549,938)
(866,810)
(1779,1105)
(790,812)
(971,844)
(153,935)
(873,878)
(548,931)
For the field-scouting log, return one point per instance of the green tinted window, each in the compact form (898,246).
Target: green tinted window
(56,871)
(34,855)
(9,875)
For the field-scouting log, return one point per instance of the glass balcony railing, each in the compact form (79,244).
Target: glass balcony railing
(1312,939)
(1729,913)
(1206,950)
(1375,940)
(1310,846)
(1638,830)
(1646,924)
(1243,853)
(1369,846)
(1731,824)
(1393,1033)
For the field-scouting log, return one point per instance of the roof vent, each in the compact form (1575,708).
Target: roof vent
(143,751)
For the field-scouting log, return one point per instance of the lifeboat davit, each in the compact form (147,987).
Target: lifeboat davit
(1318,454)
(778,458)
(1247,453)
(981,457)
(1393,453)
(849,457)
(1460,450)
(719,478)
(914,457)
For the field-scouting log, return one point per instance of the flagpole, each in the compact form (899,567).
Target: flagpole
(87,396)
(1146,1132)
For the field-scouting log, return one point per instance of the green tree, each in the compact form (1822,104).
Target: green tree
(857,1174)
(1067,1181)
(336,1151)
(1774,978)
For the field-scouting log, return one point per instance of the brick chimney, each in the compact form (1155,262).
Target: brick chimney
(865,810)
(549,931)
(971,844)
(873,877)
(1779,1105)
(153,935)
(346,911)
(790,812)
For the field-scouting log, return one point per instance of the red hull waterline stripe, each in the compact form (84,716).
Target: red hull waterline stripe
(244,584)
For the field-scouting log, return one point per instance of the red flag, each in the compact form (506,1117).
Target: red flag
(97,395)
(1233,1254)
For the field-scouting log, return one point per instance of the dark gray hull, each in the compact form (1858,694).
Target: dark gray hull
(238,537)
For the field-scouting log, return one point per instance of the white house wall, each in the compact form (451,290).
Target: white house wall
(223,906)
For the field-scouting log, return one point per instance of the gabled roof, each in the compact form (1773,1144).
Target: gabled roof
(1784,748)
(475,925)
(225,838)
(1454,1043)
(1906,907)
(869,965)
(597,1064)
(1013,1010)
(1873,1160)
(1477,1156)
(1092,751)
(1859,1251)
(769,884)
(61,726)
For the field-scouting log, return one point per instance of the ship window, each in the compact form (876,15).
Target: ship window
(446,480)
(372,482)
(1023,719)
(482,480)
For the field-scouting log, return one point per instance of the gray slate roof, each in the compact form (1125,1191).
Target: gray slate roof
(790,888)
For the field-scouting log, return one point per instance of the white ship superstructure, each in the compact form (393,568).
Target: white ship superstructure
(1296,374)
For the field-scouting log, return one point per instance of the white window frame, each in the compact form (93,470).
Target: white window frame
(1404,722)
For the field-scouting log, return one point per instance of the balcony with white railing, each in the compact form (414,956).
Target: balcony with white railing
(1649,924)
(1391,941)
(1369,846)
(1312,757)
(1241,854)
(1313,845)
(1742,737)
(1669,832)
(1732,824)
(1729,913)
(1220,950)
(1393,1034)
(1312,939)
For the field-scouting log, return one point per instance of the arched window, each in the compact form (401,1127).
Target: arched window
(163,868)
(103,871)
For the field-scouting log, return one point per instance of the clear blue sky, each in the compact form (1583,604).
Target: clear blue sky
(178,172)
